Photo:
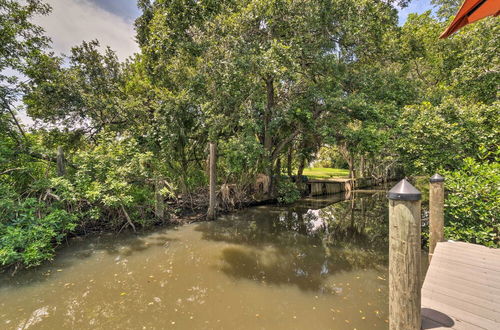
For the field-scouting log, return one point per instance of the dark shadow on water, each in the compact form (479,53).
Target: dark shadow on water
(283,270)
(307,269)
(299,245)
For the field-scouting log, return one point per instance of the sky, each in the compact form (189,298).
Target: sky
(415,6)
(111,22)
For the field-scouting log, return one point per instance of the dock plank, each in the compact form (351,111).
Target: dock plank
(488,293)
(462,288)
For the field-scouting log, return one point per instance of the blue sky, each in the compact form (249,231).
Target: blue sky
(416,6)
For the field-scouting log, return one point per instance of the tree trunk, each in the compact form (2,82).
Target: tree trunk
(268,115)
(268,140)
(211,215)
(300,172)
(278,166)
(352,171)
(289,161)
(61,168)
(362,169)
(127,217)
(347,155)
(278,172)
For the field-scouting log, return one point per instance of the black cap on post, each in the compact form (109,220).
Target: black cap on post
(436,178)
(404,191)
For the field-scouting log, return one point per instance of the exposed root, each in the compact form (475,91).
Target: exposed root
(128,219)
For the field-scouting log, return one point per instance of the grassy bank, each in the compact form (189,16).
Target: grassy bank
(325,173)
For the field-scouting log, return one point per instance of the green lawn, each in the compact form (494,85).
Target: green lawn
(324,173)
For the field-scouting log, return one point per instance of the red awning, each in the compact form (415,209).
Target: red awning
(471,11)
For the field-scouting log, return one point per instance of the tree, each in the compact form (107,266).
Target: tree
(446,8)
(21,42)
(87,95)
(457,81)
(28,225)
(273,65)
(440,137)
(464,66)
(473,200)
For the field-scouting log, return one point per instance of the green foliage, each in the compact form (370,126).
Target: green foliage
(329,156)
(240,160)
(37,212)
(287,191)
(21,43)
(88,93)
(30,225)
(453,125)
(16,51)
(435,137)
(473,202)
(30,228)
(111,175)
(446,8)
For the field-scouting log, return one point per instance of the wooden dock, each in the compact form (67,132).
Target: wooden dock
(462,288)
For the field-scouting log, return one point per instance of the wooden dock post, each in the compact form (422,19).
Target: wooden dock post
(404,257)
(213,182)
(436,212)
(61,167)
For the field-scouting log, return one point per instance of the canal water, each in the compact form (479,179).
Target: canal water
(320,263)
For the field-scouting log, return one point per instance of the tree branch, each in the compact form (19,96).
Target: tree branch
(16,122)
(12,170)
(284,142)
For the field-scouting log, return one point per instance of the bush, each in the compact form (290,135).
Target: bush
(110,177)
(36,216)
(287,191)
(473,203)
(29,230)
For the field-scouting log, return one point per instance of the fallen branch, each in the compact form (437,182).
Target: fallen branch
(50,194)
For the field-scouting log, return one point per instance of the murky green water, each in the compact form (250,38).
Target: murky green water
(319,264)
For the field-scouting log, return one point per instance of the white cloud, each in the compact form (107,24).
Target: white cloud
(72,21)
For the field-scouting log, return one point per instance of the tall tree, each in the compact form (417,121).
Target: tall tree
(87,94)
(21,42)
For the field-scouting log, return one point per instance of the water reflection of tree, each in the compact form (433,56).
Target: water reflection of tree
(302,246)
